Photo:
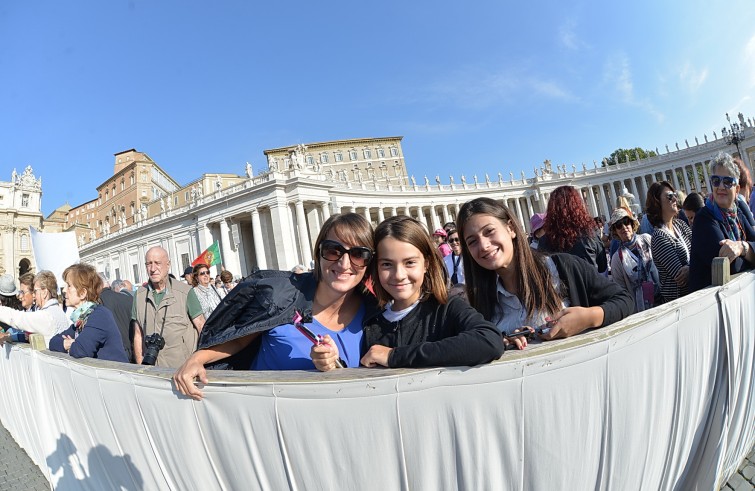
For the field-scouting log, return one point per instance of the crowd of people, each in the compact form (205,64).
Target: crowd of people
(399,296)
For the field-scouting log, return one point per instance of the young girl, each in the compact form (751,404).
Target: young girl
(514,286)
(419,325)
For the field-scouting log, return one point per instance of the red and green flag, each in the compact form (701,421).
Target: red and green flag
(210,257)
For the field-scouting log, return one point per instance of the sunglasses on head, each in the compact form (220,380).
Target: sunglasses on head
(727,181)
(333,251)
(671,196)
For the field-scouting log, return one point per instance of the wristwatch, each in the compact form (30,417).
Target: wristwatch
(745,248)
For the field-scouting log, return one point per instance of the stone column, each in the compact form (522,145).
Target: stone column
(284,255)
(591,199)
(229,259)
(687,187)
(604,201)
(434,217)
(633,190)
(674,179)
(706,175)
(381,214)
(525,225)
(325,210)
(366,214)
(446,215)
(259,248)
(612,194)
(421,217)
(530,211)
(393,211)
(301,222)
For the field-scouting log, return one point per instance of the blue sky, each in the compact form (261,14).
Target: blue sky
(472,86)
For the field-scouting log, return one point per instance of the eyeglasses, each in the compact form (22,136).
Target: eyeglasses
(23,292)
(454,241)
(727,181)
(333,251)
(671,196)
(203,273)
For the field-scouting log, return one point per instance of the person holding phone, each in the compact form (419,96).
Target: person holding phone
(419,326)
(514,286)
(334,293)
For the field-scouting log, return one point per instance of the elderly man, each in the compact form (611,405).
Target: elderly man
(167,308)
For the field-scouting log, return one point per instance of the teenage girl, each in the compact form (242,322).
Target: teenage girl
(418,325)
(514,286)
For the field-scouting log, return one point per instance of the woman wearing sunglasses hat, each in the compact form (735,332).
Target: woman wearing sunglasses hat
(670,240)
(334,292)
(721,227)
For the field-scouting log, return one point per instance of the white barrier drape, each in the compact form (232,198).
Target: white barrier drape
(662,400)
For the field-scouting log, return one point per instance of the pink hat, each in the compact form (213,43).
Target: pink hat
(537,221)
(440,232)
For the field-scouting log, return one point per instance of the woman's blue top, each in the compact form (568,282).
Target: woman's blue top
(285,348)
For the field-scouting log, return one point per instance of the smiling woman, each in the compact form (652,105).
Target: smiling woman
(518,288)
(334,294)
(721,227)
(420,326)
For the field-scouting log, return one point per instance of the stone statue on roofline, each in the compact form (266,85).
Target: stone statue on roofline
(248,170)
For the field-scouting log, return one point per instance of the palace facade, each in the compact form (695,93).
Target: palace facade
(270,220)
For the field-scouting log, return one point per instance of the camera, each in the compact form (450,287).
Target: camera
(155,342)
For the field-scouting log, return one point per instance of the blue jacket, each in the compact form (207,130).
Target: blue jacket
(707,232)
(99,338)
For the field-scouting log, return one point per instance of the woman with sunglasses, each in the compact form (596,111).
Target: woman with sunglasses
(632,265)
(721,228)
(334,293)
(209,296)
(454,262)
(670,240)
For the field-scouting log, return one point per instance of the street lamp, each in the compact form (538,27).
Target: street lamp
(734,135)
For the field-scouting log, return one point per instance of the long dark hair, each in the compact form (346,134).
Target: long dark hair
(567,219)
(653,202)
(409,230)
(534,284)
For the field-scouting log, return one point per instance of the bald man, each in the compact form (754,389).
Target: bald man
(167,308)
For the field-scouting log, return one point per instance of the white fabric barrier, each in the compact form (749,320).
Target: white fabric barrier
(661,400)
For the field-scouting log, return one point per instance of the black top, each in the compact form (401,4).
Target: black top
(433,335)
(120,306)
(586,288)
(589,248)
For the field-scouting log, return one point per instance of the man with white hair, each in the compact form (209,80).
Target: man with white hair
(167,315)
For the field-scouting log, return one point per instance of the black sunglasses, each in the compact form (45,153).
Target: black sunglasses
(453,241)
(333,251)
(623,223)
(671,196)
(728,181)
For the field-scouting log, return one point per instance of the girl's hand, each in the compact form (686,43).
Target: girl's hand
(573,320)
(324,355)
(376,355)
(518,342)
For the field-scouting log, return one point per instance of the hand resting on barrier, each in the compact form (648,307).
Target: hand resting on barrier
(573,320)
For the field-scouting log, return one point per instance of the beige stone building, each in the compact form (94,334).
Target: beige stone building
(357,160)
(20,208)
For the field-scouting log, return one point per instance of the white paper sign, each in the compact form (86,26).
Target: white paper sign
(54,251)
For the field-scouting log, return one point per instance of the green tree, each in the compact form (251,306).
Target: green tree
(626,155)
